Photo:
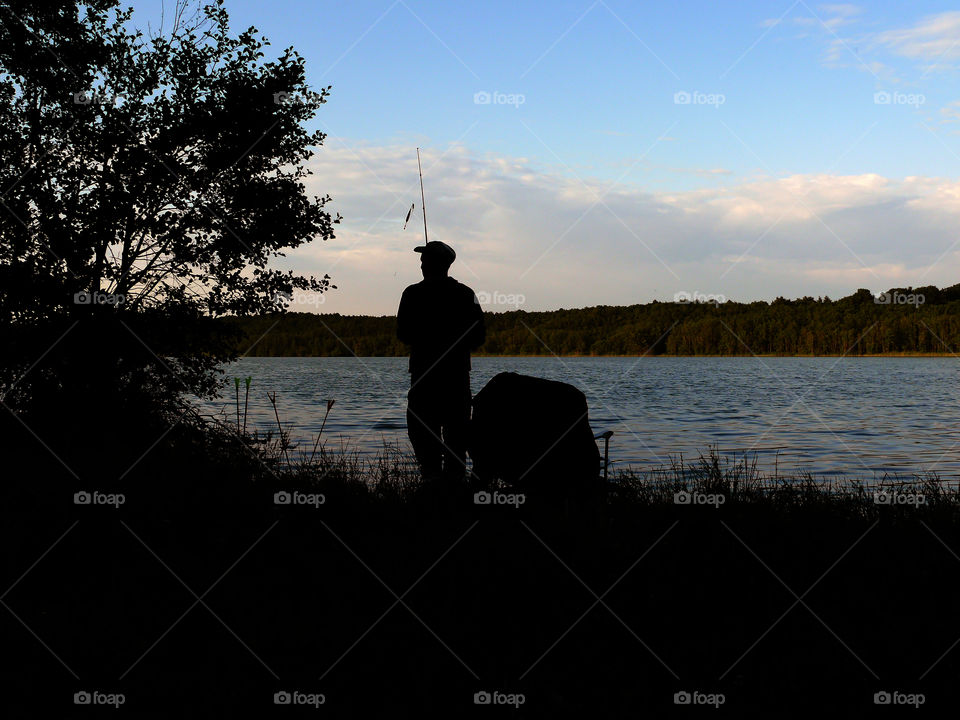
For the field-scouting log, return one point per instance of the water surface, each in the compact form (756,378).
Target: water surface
(830,416)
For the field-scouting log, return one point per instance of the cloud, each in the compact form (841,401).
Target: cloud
(701,172)
(835,16)
(824,24)
(562,241)
(829,17)
(951,112)
(934,38)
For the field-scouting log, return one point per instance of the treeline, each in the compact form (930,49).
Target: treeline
(905,320)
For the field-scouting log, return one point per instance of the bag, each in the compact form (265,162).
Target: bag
(532,433)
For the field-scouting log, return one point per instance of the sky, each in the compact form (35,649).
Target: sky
(582,153)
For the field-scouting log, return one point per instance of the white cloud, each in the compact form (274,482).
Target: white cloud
(934,38)
(829,17)
(951,112)
(519,229)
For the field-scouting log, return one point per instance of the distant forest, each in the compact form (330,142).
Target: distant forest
(904,320)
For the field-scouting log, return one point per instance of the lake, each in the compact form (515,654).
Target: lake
(862,417)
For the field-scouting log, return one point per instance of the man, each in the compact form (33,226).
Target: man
(442,322)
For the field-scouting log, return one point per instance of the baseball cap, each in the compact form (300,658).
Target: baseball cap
(437,249)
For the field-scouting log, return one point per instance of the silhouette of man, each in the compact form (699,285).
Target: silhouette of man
(442,322)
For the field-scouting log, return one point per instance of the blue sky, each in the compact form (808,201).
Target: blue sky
(818,151)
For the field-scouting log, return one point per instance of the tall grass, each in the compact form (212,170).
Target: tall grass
(392,473)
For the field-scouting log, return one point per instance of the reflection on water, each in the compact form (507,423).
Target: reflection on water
(850,416)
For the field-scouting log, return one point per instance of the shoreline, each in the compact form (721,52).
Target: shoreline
(757,355)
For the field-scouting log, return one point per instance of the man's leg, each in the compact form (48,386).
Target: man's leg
(456,426)
(423,427)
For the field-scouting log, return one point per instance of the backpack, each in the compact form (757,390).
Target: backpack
(532,433)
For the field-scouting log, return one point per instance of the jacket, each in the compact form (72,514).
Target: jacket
(442,322)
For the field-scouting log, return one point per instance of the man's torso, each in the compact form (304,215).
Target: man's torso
(439,315)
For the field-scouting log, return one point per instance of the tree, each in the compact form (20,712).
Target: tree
(147,183)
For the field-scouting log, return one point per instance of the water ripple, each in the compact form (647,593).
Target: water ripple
(852,416)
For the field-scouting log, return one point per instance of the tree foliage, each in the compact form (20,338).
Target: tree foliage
(854,325)
(148,182)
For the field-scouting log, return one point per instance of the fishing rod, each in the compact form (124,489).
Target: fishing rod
(423,202)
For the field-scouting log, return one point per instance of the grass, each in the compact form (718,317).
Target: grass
(739,480)
(392,596)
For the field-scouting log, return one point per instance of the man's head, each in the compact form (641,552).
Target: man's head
(435,259)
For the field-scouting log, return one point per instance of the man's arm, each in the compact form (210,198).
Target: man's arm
(478,332)
(405,321)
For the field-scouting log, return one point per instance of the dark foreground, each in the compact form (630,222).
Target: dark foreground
(200,595)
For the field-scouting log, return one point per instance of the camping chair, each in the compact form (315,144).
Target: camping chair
(606,450)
